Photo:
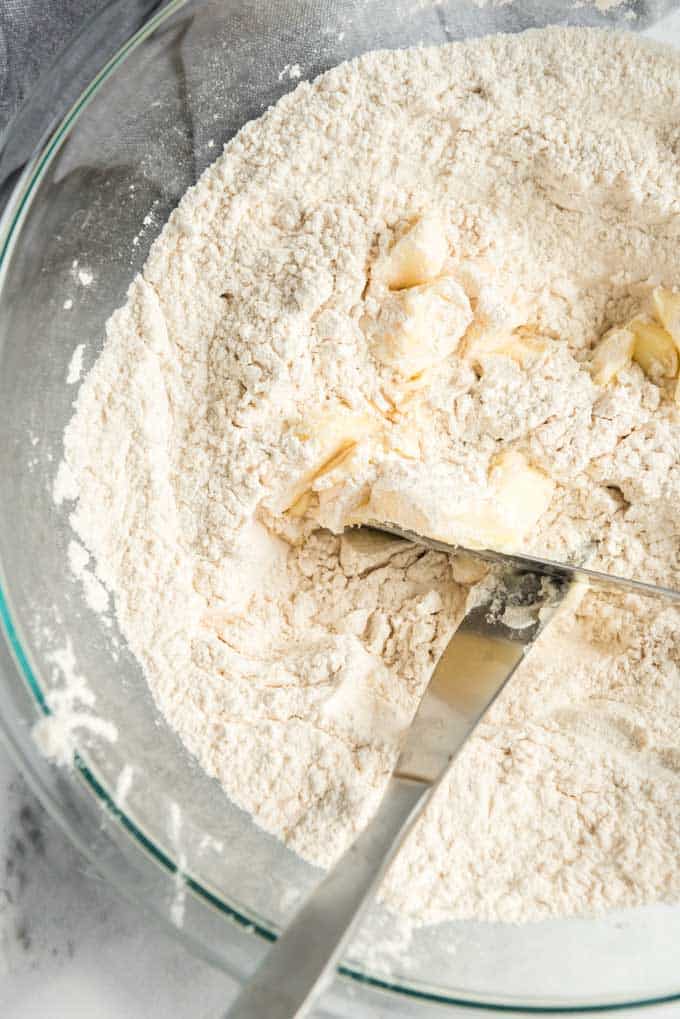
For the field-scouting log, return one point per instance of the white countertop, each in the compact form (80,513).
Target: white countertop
(71,948)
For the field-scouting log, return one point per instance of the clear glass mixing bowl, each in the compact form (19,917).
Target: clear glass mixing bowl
(92,186)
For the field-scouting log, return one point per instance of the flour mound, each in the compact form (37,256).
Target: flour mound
(261,387)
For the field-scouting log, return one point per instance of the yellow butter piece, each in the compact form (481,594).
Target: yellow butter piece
(418,257)
(654,350)
(421,326)
(667,307)
(518,347)
(499,516)
(334,436)
(523,494)
(613,353)
(499,313)
(301,505)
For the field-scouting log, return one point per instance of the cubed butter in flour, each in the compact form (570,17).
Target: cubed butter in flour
(417,257)
(613,353)
(421,326)
(655,350)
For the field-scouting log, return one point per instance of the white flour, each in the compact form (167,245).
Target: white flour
(75,368)
(70,701)
(251,388)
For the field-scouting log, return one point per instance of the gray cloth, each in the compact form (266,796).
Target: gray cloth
(32,32)
(33,37)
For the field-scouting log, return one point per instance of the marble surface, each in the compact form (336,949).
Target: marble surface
(70,946)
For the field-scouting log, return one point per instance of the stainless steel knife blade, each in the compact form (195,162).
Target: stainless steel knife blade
(534,564)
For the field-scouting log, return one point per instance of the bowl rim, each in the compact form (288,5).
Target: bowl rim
(11,219)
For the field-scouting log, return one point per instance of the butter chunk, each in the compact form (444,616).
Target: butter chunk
(418,257)
(667,307)
(332,438)
(521,348)
(498,514)
(500,321)
(612,355)
(421,326)
(523,495)
(654,350)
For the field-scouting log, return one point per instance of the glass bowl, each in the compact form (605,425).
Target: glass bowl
(88,186)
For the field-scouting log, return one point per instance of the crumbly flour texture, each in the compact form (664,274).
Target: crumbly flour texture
(434,286)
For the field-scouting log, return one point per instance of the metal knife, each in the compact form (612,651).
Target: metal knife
(533,564)
(475,666)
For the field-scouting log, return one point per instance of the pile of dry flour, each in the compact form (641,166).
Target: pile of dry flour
(278,367)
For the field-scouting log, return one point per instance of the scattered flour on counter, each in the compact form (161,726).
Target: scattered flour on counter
(603,6)
(75,367)
(81,274)
(249,392)
(292,71)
